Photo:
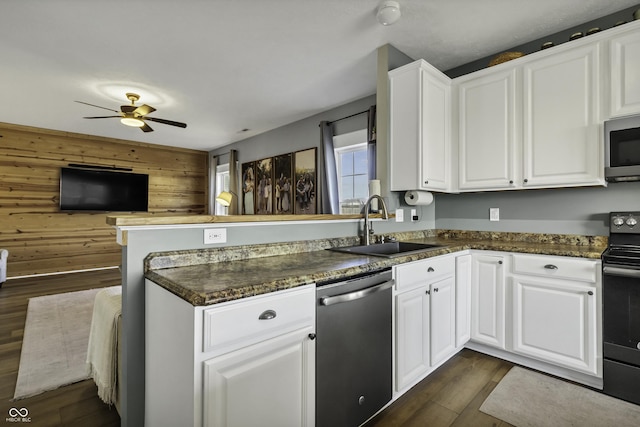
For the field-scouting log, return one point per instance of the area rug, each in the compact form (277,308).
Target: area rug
(54,346)
(526,398)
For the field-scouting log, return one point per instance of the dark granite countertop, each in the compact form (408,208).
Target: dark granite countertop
(211,276)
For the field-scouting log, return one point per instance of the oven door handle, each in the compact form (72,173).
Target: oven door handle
(624,272)
(356,295)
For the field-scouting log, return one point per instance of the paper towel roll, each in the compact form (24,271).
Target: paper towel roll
(374,188)
(418,198)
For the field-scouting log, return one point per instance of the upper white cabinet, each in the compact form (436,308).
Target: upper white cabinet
(420,128)
(488,134)
(624,63)
(534,124)
(562,142)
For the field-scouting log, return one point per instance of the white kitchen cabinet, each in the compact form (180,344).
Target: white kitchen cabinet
(420,128)
(562,141)
(554,305)
(488,133)
(488,300)
(624,68)
(267,384)
(425,316)
(240,363)
(534,123)
(463,299)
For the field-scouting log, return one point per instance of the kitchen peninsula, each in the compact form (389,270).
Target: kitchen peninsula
(201,279)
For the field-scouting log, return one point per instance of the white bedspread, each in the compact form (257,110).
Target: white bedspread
(102,354)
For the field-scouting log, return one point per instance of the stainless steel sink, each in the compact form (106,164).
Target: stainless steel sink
(387,250)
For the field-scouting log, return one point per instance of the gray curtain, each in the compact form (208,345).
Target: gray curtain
(233,182)
(371,142)
(330,202)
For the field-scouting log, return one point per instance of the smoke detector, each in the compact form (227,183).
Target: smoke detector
(388,12)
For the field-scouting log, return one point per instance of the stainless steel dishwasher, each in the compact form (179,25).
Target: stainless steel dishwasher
(353,349)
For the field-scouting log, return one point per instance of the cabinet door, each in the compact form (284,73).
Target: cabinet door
(625,69)
(463,300)
(267,384)
(435,122)
(562,142)
(555,322)
(487,131)
(442,320)
(487,300)
(412,332)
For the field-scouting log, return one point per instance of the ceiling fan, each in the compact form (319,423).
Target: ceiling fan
(132,115)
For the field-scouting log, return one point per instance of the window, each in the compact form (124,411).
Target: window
(222,184)
(353,175)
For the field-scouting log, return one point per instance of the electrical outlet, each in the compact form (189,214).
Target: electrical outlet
(494,214)
(414,215)
(399,215)
(215,235)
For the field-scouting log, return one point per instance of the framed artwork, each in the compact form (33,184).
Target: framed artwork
(305,177)
(283,183)
(248,188)
(264,187)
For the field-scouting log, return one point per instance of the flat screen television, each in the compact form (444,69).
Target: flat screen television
(103,190)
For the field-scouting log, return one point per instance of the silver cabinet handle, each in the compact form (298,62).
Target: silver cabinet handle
(551,267)
(267,315)
(430,270)
(356,295)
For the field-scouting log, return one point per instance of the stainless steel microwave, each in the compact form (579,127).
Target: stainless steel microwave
(622,149)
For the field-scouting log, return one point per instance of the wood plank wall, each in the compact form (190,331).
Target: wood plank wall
(39,237)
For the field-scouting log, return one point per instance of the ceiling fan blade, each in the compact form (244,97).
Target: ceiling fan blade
(97,106)
(144,109)
(103,117)
(146,128)
(166,122)
(127,108)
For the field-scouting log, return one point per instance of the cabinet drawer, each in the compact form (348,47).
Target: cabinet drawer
(558,267)
(418,273)
(255,319)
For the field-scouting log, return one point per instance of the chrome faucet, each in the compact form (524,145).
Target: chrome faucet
(368,231)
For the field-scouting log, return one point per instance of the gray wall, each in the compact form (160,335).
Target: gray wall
(562,211)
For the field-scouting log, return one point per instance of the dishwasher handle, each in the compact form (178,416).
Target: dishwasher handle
(356,295)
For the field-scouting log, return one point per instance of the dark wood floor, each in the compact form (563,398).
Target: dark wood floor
(451,396)
(74,405)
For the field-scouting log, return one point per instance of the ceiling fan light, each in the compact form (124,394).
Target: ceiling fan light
(131,121)
(388,12)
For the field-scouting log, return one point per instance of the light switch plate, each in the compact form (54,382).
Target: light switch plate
(414,215)
(215,235)
(494,214)
(399,215)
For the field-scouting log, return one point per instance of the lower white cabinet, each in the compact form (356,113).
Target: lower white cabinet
(425,317)
(249,362)
(266,384)
(554,319)
(463,299)
(488,300)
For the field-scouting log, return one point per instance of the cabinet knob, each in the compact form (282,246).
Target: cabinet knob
(551,267)
(426,182)
(500,262)
(526,180)
(510,181)
(430,270)
(428,292)
(267,315)
(435,289)
(590,293)
(312,336)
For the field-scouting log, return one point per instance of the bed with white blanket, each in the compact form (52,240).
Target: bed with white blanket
(103,353)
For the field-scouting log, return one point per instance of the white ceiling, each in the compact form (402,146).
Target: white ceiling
(222,66)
